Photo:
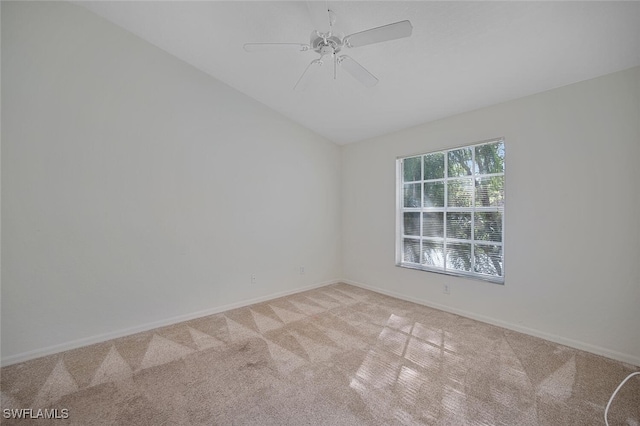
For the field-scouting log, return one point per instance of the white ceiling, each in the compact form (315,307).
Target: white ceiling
(461,56)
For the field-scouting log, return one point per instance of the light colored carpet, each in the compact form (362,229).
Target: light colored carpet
(338,355)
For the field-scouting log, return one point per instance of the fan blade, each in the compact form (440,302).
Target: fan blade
(357,71)
(274,47)
(308,74)
(376,35)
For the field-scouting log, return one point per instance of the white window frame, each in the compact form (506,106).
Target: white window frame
(401,209)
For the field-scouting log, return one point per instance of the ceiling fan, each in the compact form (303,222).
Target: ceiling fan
(329,44)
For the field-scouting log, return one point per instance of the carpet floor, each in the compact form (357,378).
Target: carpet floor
(337,355)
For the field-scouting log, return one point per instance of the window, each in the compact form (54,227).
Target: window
(450,215)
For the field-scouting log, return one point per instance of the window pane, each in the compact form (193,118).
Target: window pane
(460,192)
(433,224)
(459,256)
(412,223)
(434,166)
(412,195)
(411,169)
(460,162)
(433,254)
(411,251)
(488,226)
(488,259)
(490,158)
(459,225)
(490,192)
(434,194)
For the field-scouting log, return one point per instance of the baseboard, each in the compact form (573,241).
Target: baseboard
(74,344)
(618,356)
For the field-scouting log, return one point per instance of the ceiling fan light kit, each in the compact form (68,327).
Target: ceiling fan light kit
(329,45)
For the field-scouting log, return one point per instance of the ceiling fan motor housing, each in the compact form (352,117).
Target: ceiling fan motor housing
(325,44)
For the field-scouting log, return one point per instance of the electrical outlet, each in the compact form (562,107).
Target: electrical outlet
(446,289)
(253,278)
(302,270)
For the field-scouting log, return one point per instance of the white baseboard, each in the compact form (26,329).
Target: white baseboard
(74,344)
(618,356)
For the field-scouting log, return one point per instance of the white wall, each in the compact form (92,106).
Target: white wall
(572,231)
(136,189)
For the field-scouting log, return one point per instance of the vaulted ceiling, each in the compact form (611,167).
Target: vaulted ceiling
(461,55)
